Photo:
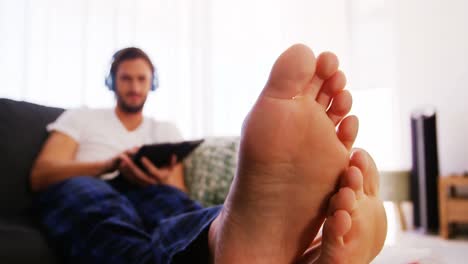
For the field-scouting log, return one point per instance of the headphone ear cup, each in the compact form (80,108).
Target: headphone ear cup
(154,86)
(155,83)
(109,82)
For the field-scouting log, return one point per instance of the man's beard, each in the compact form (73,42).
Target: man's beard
(126,107)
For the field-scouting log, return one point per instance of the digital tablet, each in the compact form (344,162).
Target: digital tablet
(160,154)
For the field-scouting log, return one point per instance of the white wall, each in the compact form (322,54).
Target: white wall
(432,61)
(57,52)
(247,37)
(213,56)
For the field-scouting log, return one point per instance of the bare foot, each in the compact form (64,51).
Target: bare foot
(291,157)
(356,227)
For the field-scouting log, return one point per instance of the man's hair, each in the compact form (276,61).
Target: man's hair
(130,53)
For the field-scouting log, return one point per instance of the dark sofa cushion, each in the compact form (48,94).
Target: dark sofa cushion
(22,133)
(23,244)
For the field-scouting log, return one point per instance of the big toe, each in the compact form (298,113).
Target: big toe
(291,73)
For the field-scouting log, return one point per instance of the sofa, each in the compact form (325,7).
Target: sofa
(208,171)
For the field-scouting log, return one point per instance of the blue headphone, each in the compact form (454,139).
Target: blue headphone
(109,81)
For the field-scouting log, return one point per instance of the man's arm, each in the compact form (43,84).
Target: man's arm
(56,162)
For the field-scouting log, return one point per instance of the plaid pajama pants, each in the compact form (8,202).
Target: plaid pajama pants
(89,220)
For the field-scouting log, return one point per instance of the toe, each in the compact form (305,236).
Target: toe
(345,199)
(359,158)
(353,179)
(340,106)
(327,66)
(333,246)
(364,162)
(336,226)
(291,73)
(347,131)
(330,88)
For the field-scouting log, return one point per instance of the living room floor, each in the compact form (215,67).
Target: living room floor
(404,247)
(414,247)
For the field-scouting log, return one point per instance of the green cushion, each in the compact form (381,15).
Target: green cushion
(210,169)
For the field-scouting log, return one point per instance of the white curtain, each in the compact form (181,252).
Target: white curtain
(213,57)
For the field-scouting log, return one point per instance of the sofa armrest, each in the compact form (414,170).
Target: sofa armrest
(24,243)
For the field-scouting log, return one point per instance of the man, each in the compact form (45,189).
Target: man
(290,163)
(85,141)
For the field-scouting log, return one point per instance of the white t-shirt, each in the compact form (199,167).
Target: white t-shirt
(101,135)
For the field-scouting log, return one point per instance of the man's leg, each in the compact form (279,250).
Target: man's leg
(90,222)
(180,223)
(155,202)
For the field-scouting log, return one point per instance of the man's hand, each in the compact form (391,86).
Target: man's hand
(160,174)
(113,163)
(131,172)
(110,165)
(153,174)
